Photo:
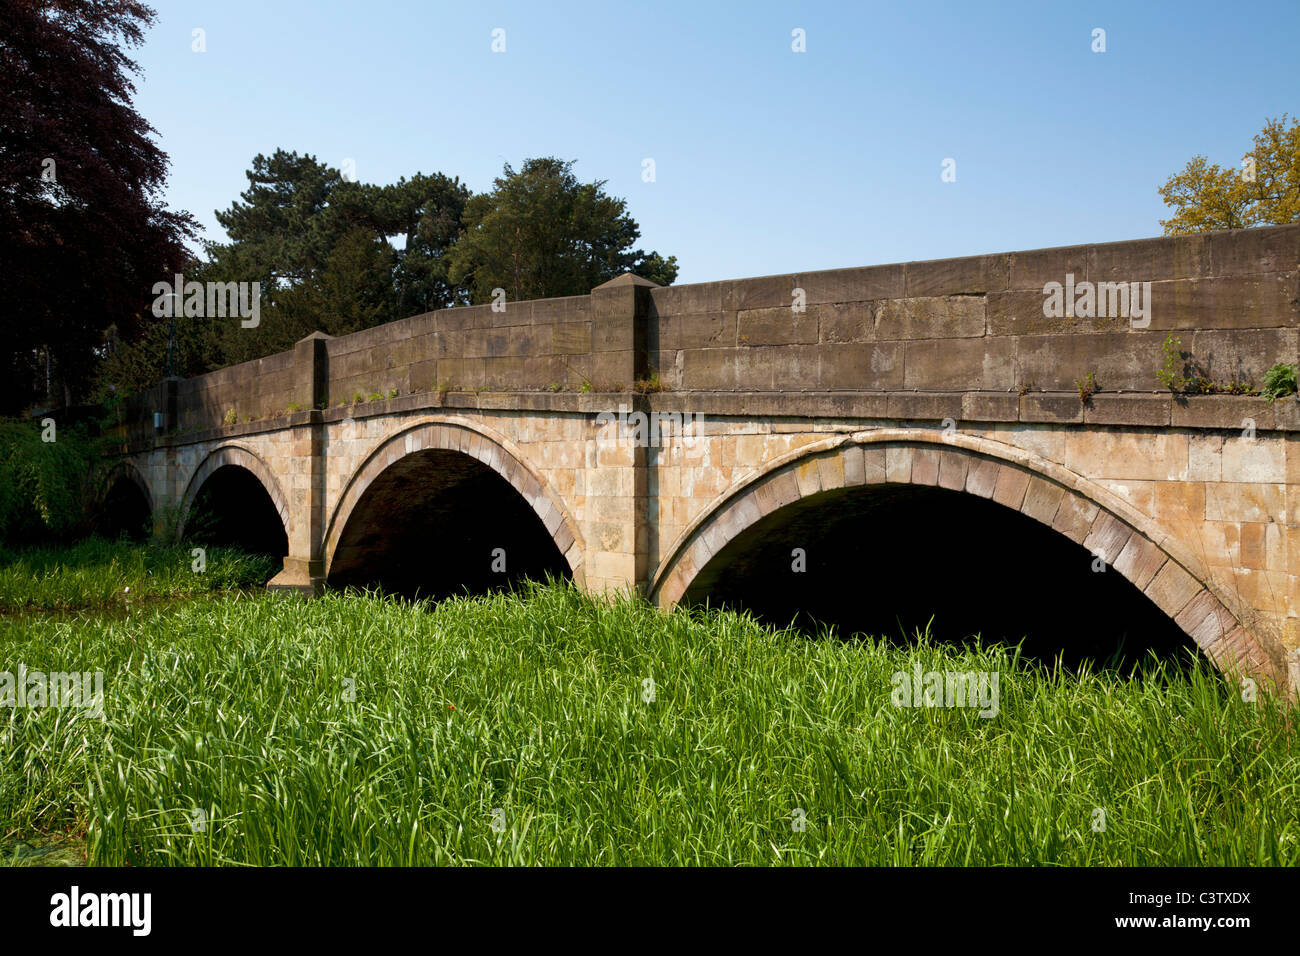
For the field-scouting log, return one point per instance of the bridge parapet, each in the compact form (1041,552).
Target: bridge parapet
(979,325)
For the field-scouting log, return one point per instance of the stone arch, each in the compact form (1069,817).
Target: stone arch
(243,458)
(494,451)
(124,468)
(1159,566)
(122,501)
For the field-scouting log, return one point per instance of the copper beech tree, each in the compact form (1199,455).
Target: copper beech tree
(83,231)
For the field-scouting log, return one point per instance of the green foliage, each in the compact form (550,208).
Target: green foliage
(1182,376)
(1087,387)
(649,384)
(319,245)
(231,417)
(541,233)
(1198,384)
(45,487)
(96,574)
(1171,372)
(351,730)
(1280,380)
(323,250)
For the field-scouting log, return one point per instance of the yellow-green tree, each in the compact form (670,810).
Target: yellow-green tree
(1263,190)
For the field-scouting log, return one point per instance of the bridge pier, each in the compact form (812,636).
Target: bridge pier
(304,567)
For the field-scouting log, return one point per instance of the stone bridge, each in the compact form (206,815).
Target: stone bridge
(455,446)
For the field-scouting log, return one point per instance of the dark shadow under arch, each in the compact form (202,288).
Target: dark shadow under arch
(889,560)
(232,508)
(437,522)
(124,510)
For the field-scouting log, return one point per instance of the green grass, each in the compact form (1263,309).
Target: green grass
(532,705)
(101,575)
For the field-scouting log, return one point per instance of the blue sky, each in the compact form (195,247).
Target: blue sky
(766,160)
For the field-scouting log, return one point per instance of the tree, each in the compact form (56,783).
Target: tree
(297,210)
(83,236)
(280,234)
(426,212)
(1265,189)
(320,247)
(541,233)
(353,292)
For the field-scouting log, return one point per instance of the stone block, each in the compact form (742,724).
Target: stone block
(1010,486)
(990,407)
(925,466)
(1107,537)
(953,468)
(898,464)
(980,364)
(1074,517)
(1233,412)
(1172,588)
(1044,407)
(973,274)
(1107,409)
(1169,257)
(850,366)
(776,326)
(1139,561)
(931,317)
(1042,498)
(982,476)
(1253,251)
(852,285)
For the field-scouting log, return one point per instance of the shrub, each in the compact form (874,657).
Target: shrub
(1280,380)
(46,488)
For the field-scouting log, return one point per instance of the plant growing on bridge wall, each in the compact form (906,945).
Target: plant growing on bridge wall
(1170,373)
(1280,380)
(1183,377)
(231,417)
(650,383)
(1087,387)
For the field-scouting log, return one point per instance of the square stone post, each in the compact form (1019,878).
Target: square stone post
(617,532)
(304,565)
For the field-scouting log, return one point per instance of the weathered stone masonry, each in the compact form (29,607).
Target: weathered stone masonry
(1196,500)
